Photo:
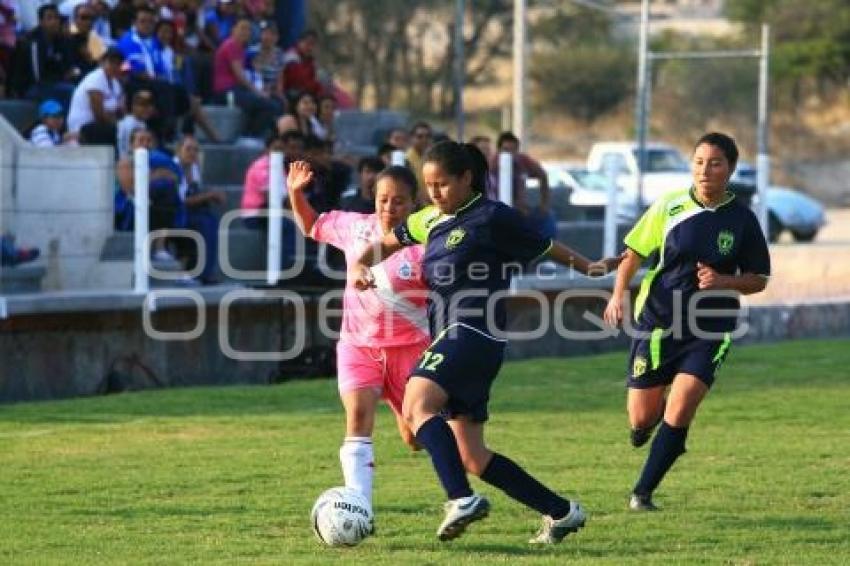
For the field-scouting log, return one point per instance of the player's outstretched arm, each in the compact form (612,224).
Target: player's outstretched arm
(299,178)
(359,272)
(565,255)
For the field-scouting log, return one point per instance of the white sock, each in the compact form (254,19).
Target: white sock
(358,464)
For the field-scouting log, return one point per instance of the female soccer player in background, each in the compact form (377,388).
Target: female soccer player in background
(383,331)
(701,239)
(471,244)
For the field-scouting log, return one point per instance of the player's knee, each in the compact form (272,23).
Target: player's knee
(679,416)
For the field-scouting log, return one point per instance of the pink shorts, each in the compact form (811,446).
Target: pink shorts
(385,369)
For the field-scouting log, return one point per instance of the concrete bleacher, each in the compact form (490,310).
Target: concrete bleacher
(21,114)
(360,133)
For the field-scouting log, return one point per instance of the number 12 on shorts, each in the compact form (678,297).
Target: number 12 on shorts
(430,360)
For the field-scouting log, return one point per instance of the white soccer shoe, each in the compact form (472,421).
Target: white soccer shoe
(460,513)
(553,531)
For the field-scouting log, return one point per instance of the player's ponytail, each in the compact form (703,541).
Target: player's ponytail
(457,158)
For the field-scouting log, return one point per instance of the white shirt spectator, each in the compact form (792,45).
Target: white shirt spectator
(42,136)
(126,125)
(80,112)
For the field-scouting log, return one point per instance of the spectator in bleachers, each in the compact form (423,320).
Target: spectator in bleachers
(524,168)
(147,71)
(484,144)
(385,153)
(141,110)
(121,17)
(48,132)
(101,25)
(199,203)
(266,61)
(326,116)
(258,11)
(302,117)
(331,177)
(8,37)
(164,176)
(43,61)
(28,13)
(12,255)
(87,47)
(179,72)
(255,191)
(220,20)
(299,72)
(420,141)
(398,138)
(230,79)
(98,102)
(363,201)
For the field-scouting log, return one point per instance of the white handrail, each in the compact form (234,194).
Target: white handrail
(141,201)
(276,192)
(506,178)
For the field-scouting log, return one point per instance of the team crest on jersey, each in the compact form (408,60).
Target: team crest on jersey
(455,237)
(725,241)
(405,271)
(639,366)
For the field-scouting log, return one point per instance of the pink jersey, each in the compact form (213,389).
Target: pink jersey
(392,314)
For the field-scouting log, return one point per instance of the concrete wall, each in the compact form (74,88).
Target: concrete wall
(60,200)
(54,349)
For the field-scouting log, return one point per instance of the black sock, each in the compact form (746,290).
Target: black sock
(668,445)
(505,474)
(439,440)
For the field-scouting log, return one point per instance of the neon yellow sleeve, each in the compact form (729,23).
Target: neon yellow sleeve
(417,226)
(646,236)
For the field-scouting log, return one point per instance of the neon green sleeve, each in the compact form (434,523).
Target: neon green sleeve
(646,236)
(417,226)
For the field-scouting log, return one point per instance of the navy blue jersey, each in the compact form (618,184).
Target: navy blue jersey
(469,256)
(676,233)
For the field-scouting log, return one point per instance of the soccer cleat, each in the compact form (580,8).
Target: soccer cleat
(553,531)
(641,503)
(460,513)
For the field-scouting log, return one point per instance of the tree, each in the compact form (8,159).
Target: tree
(811,40)
(578,68)
(401,52)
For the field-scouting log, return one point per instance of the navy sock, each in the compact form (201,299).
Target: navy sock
(439,440)
(505,474)
(669,444)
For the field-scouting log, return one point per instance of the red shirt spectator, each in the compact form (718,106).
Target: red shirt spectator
(229,52)
(299,71)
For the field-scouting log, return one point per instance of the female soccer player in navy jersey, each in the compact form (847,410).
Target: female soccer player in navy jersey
(700,241)
(470,244)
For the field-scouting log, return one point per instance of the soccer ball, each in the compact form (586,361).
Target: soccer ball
(341,516)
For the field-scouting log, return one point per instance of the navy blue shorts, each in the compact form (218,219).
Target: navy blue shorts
(463,361)
(656,360)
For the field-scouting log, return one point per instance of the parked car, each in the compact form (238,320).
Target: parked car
(787,209)
(588,190)
(667,169)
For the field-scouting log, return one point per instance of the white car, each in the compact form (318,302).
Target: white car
(589,189)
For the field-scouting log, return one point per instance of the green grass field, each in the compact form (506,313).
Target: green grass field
(226,475)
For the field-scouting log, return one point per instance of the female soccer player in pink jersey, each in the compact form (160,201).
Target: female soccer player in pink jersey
(385,329)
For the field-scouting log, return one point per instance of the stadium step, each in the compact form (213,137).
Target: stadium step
(22,114)
(226,164)
(227,122)
(360,133)
(21,278)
